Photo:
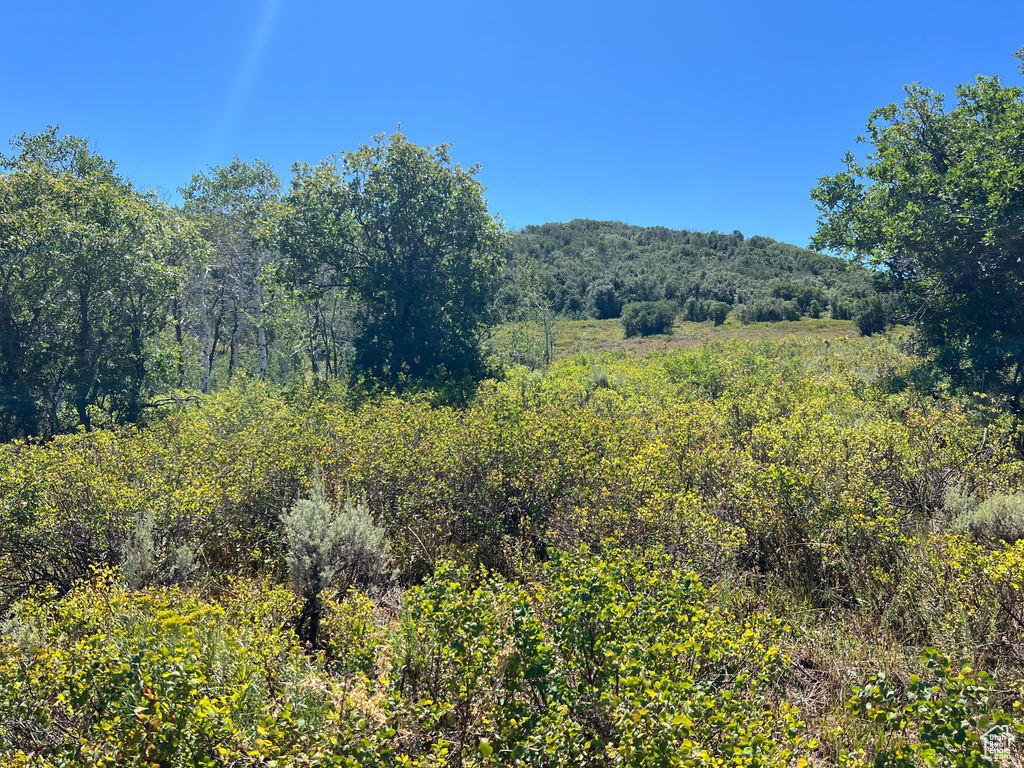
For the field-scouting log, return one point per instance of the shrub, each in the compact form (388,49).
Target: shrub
(999,518)
(695,311)
(139,566)
(148,561)
(840,308)
(159,677)
(605,301)
(937,721)
(770,310)
(324,543)
(718,311)
(872,316)
(646,318)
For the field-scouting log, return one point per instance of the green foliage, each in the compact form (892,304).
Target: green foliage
(647,318)
(579,552)
(772,310)
(718,311)
(938,721)
(617,659)
(231,205)
(873,315)
(938,203)
(82,288)
(803,295)
(1000,517)
(591,269)
(161,678)
(409,238)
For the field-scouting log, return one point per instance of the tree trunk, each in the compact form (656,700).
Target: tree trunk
(261,333)
(236,334)
(216,341)
(134,398)
(204,319)
(82,363)
(547,340)
(179,340)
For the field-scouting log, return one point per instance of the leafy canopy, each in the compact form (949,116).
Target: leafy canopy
(82,285)
(409,238)
(938,207)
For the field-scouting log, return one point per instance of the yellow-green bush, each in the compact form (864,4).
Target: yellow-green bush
(791,474)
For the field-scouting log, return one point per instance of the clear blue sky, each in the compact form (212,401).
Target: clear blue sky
(689,115)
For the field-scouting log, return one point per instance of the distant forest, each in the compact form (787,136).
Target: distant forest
(593,269)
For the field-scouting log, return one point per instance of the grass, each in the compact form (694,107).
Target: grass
(600,336)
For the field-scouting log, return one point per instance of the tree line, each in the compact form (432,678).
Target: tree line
(385,265)
(595,269)
(382,264)
(382,261)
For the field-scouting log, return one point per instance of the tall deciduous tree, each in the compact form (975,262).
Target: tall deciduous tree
(229,204)
(408,237)
(82,287)
(938,205)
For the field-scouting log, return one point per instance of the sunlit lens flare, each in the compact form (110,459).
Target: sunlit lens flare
(246,76)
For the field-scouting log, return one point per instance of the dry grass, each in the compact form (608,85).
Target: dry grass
(607,336)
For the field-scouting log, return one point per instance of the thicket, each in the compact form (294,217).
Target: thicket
(741,554)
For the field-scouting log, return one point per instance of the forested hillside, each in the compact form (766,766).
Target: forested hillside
(593,269)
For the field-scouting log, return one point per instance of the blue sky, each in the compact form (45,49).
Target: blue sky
(688,115)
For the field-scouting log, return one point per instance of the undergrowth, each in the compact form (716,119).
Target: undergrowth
(748,553)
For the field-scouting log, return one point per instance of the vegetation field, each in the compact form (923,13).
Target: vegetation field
(525,340)
(348,475)
(759,553)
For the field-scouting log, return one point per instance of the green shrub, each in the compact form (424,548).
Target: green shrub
(695,311)
(1000,518)
(939,721)
(160,678)
(769,310)
(872,316)
(718,311)
(325,544)
(646,318)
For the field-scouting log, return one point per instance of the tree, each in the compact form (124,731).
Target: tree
(718,311)
(606,301)
(231,203)
(408,237)
(646,318)
(938,208)
(82,288)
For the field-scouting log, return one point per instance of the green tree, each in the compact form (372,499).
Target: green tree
(646,318)
(718,311)
(938,207)
(408,237)
(82,288)
(230,203)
